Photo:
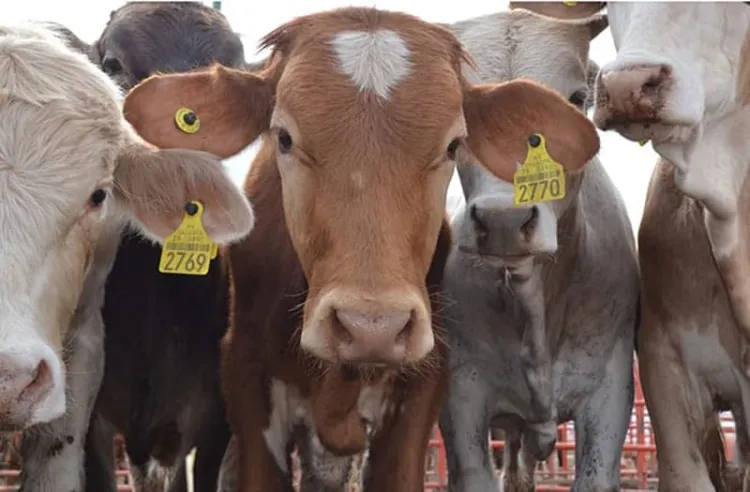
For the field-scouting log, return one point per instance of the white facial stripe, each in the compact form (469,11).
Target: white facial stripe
(375,61)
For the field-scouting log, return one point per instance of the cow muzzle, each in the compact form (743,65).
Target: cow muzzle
(392,329)
(26,384)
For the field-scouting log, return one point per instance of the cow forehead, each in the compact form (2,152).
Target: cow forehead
(514,44)
(386,81)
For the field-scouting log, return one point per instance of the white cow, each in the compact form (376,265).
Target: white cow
(681,79)
(73,173)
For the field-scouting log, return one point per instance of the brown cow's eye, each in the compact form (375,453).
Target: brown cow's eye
(453,148)
(97,197)
(285,141)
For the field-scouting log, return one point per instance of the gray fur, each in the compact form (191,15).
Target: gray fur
(538,346)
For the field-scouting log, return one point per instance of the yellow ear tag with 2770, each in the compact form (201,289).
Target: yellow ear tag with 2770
(540,178)
(188,250)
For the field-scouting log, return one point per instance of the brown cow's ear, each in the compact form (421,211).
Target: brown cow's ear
(561,10)
(501,117)
(156,185)
(232,108)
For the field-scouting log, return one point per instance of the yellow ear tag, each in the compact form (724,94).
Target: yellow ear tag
(540,179)
(642,142)
(187,120)
(188,250)
(570,4)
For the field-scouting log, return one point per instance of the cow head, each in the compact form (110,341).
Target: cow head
(522,44)
(71,167)
(142,38)
(364,113)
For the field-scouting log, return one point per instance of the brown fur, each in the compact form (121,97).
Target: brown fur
(390,234)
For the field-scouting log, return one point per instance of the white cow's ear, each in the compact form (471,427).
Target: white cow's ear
(156,185)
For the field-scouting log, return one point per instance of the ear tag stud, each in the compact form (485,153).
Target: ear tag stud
(187,120)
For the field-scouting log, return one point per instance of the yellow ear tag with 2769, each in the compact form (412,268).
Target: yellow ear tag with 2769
(188,250)
(540,178)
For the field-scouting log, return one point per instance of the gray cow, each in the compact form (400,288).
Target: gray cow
(543,300)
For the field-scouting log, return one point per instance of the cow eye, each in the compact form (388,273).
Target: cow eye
(578,98)
(285,141)
(111,66)
(97,197)
(453,148)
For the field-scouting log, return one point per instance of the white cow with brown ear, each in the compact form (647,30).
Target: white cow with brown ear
(681,79)
(72,174)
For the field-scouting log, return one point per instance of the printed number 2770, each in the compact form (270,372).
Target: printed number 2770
(539,191)
(191,262)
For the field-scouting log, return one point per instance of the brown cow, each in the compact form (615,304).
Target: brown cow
(362,113)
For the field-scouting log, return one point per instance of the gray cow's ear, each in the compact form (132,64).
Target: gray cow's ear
(592,70)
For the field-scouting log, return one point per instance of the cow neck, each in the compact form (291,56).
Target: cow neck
(712,170)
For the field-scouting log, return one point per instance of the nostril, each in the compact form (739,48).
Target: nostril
(531,220)
(341,327)
(42,380)
(406,331)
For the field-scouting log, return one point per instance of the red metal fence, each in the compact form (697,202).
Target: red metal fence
(638,464)
(555,475)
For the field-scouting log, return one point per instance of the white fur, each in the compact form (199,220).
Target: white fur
(700,41)
(59,134)
(703,43)
(288,409)
(375,61)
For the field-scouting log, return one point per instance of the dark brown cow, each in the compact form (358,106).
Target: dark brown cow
(334,341)
(161,380)
(142,38)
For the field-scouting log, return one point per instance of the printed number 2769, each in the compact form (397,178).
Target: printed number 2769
(190,262)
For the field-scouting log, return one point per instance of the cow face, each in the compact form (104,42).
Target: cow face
(364,113)
(142,38)
(70,169)
(521,44)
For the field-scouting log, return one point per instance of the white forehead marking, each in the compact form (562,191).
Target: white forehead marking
(375,61)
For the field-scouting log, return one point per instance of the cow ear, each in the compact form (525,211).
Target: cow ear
(561,10)
(501,117)
(219,110)
(156,185)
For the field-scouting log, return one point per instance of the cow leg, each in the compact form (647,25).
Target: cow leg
(464,422)
(209,453)
(497,434)
(100,456)
(601,425)
(518,472)
(398,452)
(53,457)
(227,481)
(678,416)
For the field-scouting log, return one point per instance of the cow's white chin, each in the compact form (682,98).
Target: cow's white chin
(657,133)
